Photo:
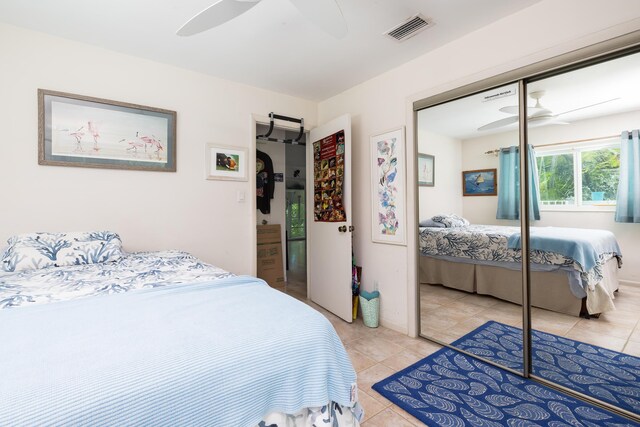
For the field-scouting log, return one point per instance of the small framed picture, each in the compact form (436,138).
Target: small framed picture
(227,163)
(481,182)
(426,170)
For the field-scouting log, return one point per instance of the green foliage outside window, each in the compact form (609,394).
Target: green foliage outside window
(600,173)
(556,177)
(297,220)
(295,214)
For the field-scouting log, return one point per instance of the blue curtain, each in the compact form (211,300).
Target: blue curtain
(534,184)
(628,202)
(509,184)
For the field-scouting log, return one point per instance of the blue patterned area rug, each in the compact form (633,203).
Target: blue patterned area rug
(607,375)
(449,388)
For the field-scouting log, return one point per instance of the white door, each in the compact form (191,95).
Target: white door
(329,217)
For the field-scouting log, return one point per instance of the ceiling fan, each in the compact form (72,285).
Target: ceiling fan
(326,14)
(537,114)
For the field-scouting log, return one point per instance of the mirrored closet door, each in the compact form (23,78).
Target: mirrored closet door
(585,305)
(470,280)
(557,190)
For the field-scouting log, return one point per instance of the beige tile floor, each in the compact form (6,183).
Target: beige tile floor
(448,314)
(377,353)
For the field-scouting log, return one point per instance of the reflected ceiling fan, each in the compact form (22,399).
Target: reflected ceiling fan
(326,14)
(537,114)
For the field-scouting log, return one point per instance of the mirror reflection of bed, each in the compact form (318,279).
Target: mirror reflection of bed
(479,259)
(585,266)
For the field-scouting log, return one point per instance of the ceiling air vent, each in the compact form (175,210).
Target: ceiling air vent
(409,28)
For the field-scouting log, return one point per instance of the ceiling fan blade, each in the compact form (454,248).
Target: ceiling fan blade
(216,14)
(499,123)
(545,121)
(514,109)
(586,106)
(510,109)
(542,118)
(326,14)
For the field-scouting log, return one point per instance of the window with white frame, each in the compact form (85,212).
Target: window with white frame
(582,176)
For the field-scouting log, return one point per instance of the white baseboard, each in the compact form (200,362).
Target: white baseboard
(394,326)
(629,283)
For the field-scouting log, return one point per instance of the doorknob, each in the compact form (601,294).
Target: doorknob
(351,228)
(342,229)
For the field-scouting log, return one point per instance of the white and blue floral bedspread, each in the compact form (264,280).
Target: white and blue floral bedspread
(133,271)
(169,272)
(489,244)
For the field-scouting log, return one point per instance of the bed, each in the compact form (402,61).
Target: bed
(161,338)
(573,271)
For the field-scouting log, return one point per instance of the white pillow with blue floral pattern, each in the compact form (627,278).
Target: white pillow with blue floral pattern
(430,223)
(450,221)
(33,251)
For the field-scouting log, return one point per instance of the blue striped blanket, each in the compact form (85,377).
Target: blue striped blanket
(222,353)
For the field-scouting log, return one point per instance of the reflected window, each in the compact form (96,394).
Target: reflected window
(555,172)
(295,214)
(600,175)
(585,176)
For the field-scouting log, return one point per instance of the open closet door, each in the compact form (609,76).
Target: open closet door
(329,216)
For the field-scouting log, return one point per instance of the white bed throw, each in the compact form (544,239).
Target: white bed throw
(223,353)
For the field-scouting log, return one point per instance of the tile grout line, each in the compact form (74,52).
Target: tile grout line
(630,334)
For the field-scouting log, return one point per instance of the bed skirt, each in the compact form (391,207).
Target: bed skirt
(549,289)
(451,274)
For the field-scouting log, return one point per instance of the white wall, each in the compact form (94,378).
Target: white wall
(150,210)
(482,210)
(445,197)
(384,102)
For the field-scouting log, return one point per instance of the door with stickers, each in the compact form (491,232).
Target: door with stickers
(329,217)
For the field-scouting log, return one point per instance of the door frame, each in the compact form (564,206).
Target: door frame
(263,120)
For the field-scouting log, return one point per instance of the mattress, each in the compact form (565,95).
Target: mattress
(178,342)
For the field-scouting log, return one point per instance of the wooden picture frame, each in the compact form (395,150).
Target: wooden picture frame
(426,170)
(83,131)
(226,162)
(480,182)
(388,188)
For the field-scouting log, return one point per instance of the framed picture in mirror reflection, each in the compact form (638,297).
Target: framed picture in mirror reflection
(426,170)
(481,182)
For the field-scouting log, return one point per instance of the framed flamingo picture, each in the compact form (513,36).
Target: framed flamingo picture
(77,130)
(388,171)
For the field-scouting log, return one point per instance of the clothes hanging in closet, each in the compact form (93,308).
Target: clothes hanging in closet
(264,181)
